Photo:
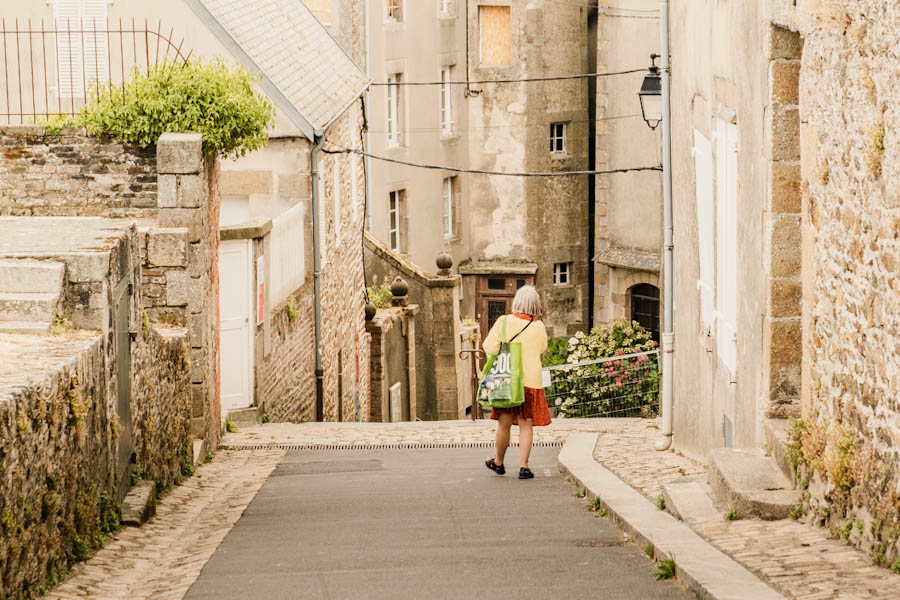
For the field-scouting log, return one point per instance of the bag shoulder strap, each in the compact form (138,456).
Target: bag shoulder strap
(520,331)
(503,336)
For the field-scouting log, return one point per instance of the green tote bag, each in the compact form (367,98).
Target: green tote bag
(501,380)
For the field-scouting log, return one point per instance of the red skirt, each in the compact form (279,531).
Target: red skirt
(534,408)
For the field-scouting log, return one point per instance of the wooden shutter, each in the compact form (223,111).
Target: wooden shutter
(705,223)
(82,51)
(726,243)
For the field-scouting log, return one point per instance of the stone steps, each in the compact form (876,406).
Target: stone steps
(30,291)
(777,441)
(244,417)
(31,276)
(751,483)
(691,501)
(28,306)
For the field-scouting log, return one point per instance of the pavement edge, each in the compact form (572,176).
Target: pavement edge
(706,571)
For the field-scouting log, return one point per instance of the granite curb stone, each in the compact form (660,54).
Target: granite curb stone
(705,570)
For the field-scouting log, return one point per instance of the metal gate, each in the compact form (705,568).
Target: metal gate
(123,388)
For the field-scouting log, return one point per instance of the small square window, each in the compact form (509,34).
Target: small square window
(393,10)
(557,138)
(561,273)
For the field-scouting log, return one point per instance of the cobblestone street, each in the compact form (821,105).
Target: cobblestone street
(799,560)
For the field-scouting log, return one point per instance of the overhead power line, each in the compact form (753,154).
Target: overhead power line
(521,80)
(344,150)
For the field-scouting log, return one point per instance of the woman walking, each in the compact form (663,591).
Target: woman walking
(525,325)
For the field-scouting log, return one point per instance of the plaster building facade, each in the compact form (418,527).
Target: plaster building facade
(787,280)
(628,209)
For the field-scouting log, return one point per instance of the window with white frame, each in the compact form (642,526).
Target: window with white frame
(448,197)
(446,102)
(393,10)
(726,243)
(393,109)
(703,166)
(445,7)
(395,210)
(557,138)
(82,49)
(561,273)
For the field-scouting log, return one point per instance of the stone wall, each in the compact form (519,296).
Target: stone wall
(437,340)
(161,404)
(345,343)
(850,137)
(72,174)
(172,191)
(392,332)
(59,429)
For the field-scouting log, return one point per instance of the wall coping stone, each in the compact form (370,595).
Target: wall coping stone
(179,153)
(629,258)
(248,230)
(497,267)
(407,267)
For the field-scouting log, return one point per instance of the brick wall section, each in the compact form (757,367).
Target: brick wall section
(58,444)
(72,174)
(851,159)
(285,377)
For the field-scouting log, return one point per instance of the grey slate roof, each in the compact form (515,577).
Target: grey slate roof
(305,71)
(629,258)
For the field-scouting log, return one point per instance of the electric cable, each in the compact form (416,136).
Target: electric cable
(344,150)
(519,80)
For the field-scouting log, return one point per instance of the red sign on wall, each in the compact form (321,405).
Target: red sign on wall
(260,290)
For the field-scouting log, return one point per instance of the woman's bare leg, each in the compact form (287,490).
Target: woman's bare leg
(526,436)
(503,425)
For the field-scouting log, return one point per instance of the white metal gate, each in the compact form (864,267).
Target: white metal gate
(236,308)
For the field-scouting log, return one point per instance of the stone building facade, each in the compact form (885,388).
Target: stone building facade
(795,138)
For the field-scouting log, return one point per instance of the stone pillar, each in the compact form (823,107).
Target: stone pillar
(188,213)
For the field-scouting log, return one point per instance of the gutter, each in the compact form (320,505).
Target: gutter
(317,270)
(668,333)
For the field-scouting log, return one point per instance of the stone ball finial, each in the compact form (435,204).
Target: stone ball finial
(371,309)
(444,261)
(400,291)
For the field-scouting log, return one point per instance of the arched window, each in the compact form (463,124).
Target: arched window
(645,307)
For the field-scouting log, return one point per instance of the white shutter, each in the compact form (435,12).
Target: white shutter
(96,47)
(82,51)
(705,222)
(726,243)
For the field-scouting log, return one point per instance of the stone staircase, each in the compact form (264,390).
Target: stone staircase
(30,295)
(747,480)
(244,417)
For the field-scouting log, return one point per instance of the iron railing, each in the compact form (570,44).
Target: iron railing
(616,386)
(51,71)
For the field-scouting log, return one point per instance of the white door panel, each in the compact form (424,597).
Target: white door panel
(235,292)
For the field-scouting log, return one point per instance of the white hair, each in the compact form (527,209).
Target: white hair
(527,301)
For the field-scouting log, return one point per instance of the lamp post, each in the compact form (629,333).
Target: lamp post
(656,108)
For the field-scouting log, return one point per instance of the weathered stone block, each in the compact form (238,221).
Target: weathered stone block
(786,135)
(199,365)
(786,348)
(786,251)
(179,153)
(198,325)
(167,191)
(786,83)
(199,399)
(188,218)
(244,183)
(191,191)
(167,247)
(198,257)
(178,289)
(786,189)
(785,298)
(198,288)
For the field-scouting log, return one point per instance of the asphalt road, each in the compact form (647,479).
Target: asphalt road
(423,524)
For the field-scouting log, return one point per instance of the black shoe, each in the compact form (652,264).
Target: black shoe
(525,473)
(493,466)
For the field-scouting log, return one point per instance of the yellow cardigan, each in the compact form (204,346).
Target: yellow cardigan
(534,343)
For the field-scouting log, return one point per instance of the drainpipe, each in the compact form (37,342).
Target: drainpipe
(668,334)
(317,271)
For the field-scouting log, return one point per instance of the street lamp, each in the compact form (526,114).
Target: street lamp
(651,95)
